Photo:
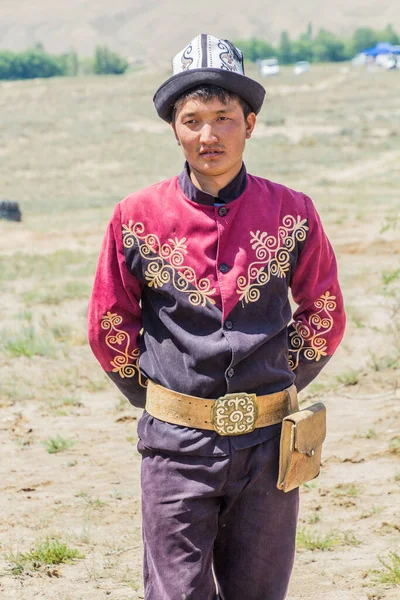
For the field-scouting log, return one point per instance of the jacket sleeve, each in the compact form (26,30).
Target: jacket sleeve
(114,316)
(319,321)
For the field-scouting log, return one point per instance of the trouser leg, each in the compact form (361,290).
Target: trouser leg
(181,499)
(255,545)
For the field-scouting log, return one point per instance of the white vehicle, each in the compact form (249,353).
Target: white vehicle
(387,61)
(302,66)
(268,66)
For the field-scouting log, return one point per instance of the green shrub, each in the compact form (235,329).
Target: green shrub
(45,552)
(30,64)
(58,444)
(107,62)
(391,572)
(255,48)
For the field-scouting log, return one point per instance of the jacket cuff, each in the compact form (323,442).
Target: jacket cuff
(306,371)
(131,388)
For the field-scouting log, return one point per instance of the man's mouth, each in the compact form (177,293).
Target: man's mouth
(210,152)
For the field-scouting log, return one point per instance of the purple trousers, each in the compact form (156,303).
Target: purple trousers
(217,522)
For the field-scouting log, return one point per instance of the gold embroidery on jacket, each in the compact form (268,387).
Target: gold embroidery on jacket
(126,361)
(166,264)
(307,339)
(273,256)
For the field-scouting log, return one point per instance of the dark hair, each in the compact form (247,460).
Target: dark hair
(208,92)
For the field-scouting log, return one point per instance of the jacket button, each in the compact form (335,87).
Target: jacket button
(230,372)
(222,211)
(228,325)
(224,268)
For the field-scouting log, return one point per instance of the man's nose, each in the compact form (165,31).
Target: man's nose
(207,134)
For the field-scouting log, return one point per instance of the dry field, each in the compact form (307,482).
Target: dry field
(69,150)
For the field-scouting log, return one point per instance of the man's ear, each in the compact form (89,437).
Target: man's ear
(250,124)
(174,130)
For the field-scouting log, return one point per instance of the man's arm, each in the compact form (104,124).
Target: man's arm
(114,316)
(319,321)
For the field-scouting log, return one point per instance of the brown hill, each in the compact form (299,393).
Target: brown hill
(155,30)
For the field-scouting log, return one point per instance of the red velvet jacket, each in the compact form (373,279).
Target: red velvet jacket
(196,297)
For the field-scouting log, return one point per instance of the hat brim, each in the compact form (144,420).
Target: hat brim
(167,94)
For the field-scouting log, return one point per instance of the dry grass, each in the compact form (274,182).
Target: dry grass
(70,149)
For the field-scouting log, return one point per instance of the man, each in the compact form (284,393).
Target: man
(191,297)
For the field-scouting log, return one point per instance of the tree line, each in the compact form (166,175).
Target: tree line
(322,47)
(36,62)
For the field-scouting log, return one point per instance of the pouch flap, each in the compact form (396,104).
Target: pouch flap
(310,428)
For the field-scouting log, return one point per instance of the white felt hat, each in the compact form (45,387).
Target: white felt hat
(207,59)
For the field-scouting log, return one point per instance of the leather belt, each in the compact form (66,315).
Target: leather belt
(232,414)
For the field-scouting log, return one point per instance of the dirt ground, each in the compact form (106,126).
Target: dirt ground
(70,149)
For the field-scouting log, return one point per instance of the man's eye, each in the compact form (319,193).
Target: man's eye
(189,122)
(222,118)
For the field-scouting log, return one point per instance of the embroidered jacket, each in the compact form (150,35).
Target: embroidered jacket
(195,296)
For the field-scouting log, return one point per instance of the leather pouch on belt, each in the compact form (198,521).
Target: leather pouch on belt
(303,433)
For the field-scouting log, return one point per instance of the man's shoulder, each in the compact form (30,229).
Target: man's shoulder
(278,190)
(281,196)
(151,193)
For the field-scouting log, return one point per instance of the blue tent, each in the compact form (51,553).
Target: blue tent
(382,48)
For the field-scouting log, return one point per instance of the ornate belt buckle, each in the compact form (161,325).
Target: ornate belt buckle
(234,414)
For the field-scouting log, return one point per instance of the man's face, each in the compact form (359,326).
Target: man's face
(213,136)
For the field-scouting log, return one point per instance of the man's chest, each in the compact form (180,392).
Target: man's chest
(213,256)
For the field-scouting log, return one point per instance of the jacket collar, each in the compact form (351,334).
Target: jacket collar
(230,192)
